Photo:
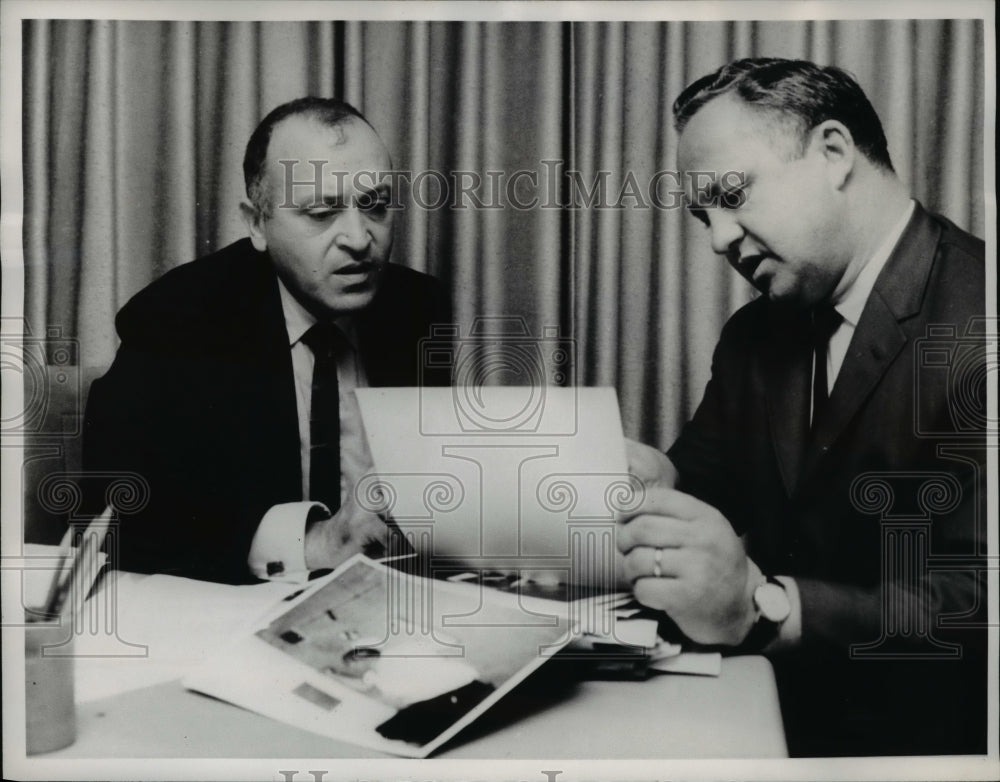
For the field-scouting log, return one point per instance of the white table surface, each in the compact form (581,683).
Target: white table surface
(135,706)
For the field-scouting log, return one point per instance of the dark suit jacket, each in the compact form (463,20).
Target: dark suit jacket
(814,507)
(200,401)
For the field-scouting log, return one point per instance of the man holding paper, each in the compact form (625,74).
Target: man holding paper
(231,390)
(825,505)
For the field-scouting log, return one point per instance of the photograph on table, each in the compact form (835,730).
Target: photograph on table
(389,660)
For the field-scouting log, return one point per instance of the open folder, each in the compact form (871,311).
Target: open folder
(387,660)
(517,479)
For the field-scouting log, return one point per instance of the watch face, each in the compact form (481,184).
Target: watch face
(772,601)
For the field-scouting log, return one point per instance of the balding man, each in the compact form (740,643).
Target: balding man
(231,390)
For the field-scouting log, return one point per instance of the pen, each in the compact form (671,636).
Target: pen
(82,573)
(51,597)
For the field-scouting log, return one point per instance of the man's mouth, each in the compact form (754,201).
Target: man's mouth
(356,269)
(748,264)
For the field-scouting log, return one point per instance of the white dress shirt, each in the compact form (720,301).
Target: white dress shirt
(853,300)
(278,548)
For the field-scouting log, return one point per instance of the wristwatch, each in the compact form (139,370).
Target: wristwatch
(773,607)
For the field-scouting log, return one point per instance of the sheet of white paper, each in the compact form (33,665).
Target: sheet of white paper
(664,649)
(697,663)
(143,630)
(507,478)
(632,632)
(636,632)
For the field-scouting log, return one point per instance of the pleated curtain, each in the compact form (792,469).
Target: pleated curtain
(134,133)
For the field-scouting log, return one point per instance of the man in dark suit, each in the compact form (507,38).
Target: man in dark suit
(231,390)
(826,504)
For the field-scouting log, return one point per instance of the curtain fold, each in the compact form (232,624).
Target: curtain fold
(134,136)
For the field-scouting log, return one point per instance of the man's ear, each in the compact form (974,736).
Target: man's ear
(835,143)
(255,224)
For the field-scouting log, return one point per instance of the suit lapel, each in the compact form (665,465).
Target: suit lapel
(275,386)
(878,338)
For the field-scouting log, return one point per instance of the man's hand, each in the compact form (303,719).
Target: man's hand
(706,580)
(649,465)
(349,531)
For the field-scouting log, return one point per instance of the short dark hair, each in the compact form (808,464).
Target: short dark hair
(796,90)
(328,111)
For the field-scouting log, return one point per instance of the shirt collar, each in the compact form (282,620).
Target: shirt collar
(298,320)
(855,297)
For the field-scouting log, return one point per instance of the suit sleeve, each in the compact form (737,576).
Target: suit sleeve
(142,418)
(702,453)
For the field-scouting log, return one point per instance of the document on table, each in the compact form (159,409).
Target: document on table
(144,630)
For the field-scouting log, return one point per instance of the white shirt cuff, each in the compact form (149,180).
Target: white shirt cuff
(790,632)
(278,551)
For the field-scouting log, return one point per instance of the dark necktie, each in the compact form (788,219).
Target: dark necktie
(324,416)
(826,320)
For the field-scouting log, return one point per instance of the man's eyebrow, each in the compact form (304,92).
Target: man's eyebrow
(326,200)
(712,194)
(380,189)
(719,188)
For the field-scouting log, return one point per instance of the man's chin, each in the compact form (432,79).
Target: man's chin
(348,302)
(784,298)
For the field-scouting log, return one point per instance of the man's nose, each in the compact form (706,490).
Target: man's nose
(725,231)
(352,230)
